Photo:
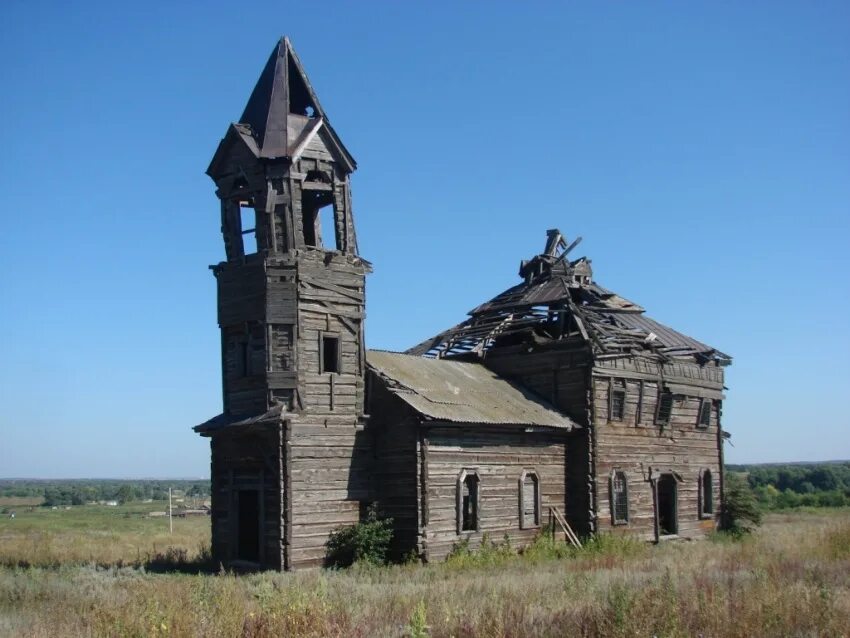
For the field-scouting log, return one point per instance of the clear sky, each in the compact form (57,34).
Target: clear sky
(701,149)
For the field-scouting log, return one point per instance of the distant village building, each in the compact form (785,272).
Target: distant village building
(556,400)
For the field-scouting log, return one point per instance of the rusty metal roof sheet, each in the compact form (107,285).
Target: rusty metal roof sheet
(462,392)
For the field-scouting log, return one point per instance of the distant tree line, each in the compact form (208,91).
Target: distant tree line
(798,485)
(79,492)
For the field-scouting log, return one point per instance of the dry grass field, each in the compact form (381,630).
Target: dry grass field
(85,575)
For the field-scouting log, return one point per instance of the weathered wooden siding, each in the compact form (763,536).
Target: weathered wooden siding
(397,446)
(331,298)
(499,455)
(559,373)
(328,477)
(642,448)
(246,461)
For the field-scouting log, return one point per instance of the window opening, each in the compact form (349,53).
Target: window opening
(249,228)
(530,500)
(665,407)
(468,502)
(317,219)
(619,498)
(330,353)
(328,228)
(639,405)
(704,413)
(617,400)
(706,502)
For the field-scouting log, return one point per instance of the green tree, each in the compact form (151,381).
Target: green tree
(741,512)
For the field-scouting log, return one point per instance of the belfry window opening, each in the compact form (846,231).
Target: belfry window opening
(248,217)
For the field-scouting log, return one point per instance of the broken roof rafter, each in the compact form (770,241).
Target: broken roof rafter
(612,325)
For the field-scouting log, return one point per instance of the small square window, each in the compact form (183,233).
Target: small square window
(330,353)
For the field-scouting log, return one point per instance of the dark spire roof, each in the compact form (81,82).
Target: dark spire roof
(281,91)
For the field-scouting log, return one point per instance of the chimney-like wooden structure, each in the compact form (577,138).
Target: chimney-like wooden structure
(291,295)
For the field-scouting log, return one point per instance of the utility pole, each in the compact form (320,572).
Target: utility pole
(170,517)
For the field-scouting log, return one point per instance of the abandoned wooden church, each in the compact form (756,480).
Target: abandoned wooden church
(557,398)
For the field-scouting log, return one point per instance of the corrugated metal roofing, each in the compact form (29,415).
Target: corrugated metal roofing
(462,392)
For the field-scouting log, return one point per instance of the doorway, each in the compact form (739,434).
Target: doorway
(667,505)
(248,536)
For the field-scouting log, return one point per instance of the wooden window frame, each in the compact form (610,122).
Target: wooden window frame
(639,410)
(705,404)
(461,479)
(615,519)
(614,388)
(703,512)
(662,394)
(537,516)
(330,335)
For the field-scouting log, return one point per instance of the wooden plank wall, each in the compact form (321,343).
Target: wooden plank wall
(559,373)
(499,455)
(246,460)
(330,464)
(331,300)
(394,428)
(636,448)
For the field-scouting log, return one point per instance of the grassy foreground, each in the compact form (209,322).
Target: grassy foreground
(792,578)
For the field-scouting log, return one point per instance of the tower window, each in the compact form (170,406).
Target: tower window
(317,219)
(330,353)
(249,228)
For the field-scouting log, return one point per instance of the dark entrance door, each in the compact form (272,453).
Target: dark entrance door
(667,506)
(248,538)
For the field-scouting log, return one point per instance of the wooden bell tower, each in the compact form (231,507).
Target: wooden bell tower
(291,302)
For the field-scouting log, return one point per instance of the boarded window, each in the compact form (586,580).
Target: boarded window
(617,400)
(665,407)
(468,502)
(330,353)
(529,496)
(619,498)
(706,505)
(704,413)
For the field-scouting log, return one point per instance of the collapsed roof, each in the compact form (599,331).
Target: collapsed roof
(558,298)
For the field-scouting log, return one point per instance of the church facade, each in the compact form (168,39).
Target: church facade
(557,401)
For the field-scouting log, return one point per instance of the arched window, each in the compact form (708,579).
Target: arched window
(706,488)
(468,501)
(619,498)
(529,500)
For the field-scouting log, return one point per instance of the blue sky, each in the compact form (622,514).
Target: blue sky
(701,149)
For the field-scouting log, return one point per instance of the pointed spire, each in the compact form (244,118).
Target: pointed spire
(282,90)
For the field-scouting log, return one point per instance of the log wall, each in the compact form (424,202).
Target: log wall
(559,373)
(641,447)
(246,461)
(499,456)
(329,479)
